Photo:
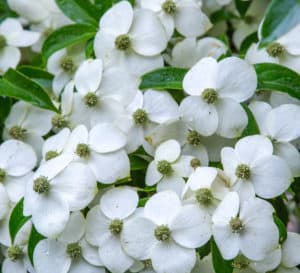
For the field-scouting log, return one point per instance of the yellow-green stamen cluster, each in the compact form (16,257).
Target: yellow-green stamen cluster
(236,225)
(41,185)
(204,196)
(50,155)
(74,251)
(194,138)
(243,171)
(169,7)
(240,262)
(140,117)
(210,95)
(67,64)
(162,233)
(164,167)
(83,150)
(14,253)
(90,99)
(195,163)
(17,132)
(123,42)
(275,49)
(59,121)
(116,226)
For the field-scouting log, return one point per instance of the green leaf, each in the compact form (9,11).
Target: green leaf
(89,49)
(247,42)
(137,162)
(33,240)
(280,17)
(252,127)
(220,265)
(164,78)
(79,11)
(5,105)
(67,36)
(17,220)
(222,15)
(281,209)
(16,85)
(275,77)
(204,250)
(242,6)
(5,11)
(281,228)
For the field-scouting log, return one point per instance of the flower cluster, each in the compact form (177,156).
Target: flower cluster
(158,179)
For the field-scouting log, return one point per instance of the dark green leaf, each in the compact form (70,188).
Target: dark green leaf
(164,78)
(216,165)
(242,6)
(143,201)
(5,105)
(89,49)
(203,251)
(222,15)
(281,228)
(5,11)
(67,36)
(252,127)
(220,265)
(138,162)
(248,41)
(16,85)
(33,240)
(275,77)
(281,209)
(79,11)
(281,16)
(17,220)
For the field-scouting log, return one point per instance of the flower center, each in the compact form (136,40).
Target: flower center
(59,122)
(2,175)
(169,7)
(243,171)
(90,99)
(162,233)
(164,167)
(236,225)
(140,117)
(17,132)
(83,150)
(147,263)
(41,185)
(116,226)
(275,49)
(51,154)
(210,95)
(2,42)
(74,251)
(14,253)
(240,262)
(67,64)
(195,162)
(204,196)
(194,138)
(123,42)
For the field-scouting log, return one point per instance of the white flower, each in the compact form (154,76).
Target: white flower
(281,126)
(215,90)
(122,40)
(245,227)
(253,168)
(184,15)
(168,167)
(105,224)
(13,36)
(29,124)
(167,233)
(57,188)
(17,160)
(4,202)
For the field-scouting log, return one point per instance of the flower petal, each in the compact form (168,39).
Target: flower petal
(168,150)
(290,248)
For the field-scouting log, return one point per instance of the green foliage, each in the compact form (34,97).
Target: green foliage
(33,240)
(252,127)
(220,265)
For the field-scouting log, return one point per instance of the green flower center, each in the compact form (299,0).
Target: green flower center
(275,49)
(162,233)
(116,226)
(236,225)
(2,175)
(240,262)
(14,253)
(164,167)
(41,185)
(83,150)
(140,117)
(90,99)
(169,7)
(210,95)
(59,121)
(50,155)
(243,171)
(74,251)
(123,42)
(194,138)
(204,196)
(2,42)
(17,132)
(147,263)
(67,64)
(195,163)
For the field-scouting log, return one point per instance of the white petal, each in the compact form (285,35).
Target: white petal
(236,79)
(154,5)
(270,176)
(201,76)
(255,55)
(119,203)
(210,47)
(153,176)
(80,266)
(105,138)
(118,19)
(137,237)
(9,266)
(269,263)
(290,248)
(111,167)
(168,150)
(24,39)
(88,76)
(59,82)
(162,207)
(155,40)
(260,111)
(9,58)
(174,183)
(290,43)
(67,99)
(56,142)
(182,167)
(78,136)
(51,256)
(90,253)
(172,258)
(191,227)
(203,177)
(229,160)
(53,64)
